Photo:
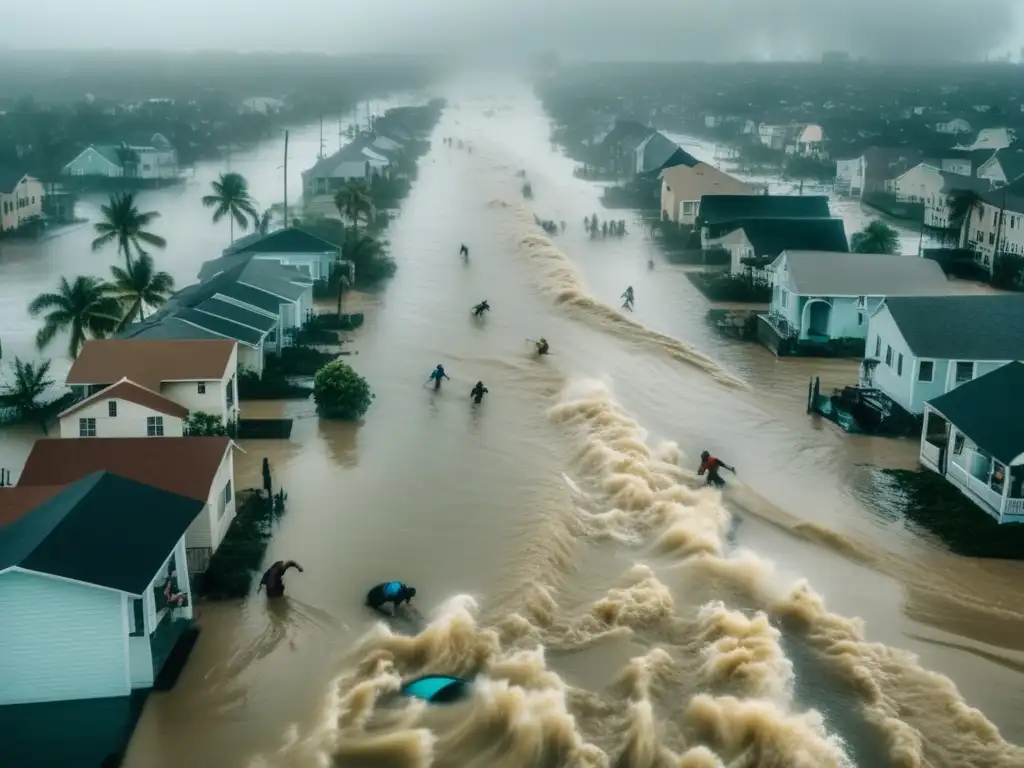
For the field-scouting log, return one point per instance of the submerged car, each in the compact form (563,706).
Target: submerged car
(437,689)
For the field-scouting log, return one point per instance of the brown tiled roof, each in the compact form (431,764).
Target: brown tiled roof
(18,501)
(150,361)
(182,465)
(133,393)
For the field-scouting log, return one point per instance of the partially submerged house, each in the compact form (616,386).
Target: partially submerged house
(125,409)
(754,244)
(355,161)
(84,573)
(198,468)
(974,440)
(717,214)
(196,374)
(819,297)
(292,247)
(21,199)
(683,185)
(1003,167)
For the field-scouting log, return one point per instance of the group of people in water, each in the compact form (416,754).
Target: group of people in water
(605,228)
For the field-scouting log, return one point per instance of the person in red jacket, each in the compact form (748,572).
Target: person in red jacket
(711,465)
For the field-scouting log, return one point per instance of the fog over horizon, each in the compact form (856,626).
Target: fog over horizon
(501,30)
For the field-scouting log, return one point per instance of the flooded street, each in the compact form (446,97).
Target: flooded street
(616,611)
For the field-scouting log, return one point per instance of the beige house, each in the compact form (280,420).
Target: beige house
(125,409)
(21,200)
(682,187)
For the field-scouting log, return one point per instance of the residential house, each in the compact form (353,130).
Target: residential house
(773,136)
(998,225)
(293,247)
(683,186)
(933,187)
(849,180)
(765,239)
(1003,167)
(810,141)
(96,160)
(83,571)
(717,213)
(21,199)
(657,152)
(921,347)
(198,468)
(976,442)
(125,409)
(955,126)
(991,139)
(619,147)
(936,210)
(877,166)
(198,375)
(154,160)
(820,296)
(354,161)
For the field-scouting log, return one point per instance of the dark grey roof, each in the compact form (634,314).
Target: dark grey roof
(718,209)
(168,327)
(287,240)
(979,410)
(252,296)
(823,273)
(253,265)
(660,150)
(956,182)
(770,237)
(237,314)
(103,529)
(1011,160)
(1010,196)
(271,284)
(222,327)
(967,327)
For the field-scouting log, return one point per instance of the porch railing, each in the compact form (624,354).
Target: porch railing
(198,558)
(782,326)
(1014,507)
(930,453)
(958,473)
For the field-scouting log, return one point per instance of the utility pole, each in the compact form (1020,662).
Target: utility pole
(341,131)
(321,155)
(999,232)
(286,178)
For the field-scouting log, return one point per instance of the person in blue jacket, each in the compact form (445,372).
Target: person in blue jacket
(394,592)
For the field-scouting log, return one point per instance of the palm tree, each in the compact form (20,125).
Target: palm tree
(353,201)
(124,224)
(231,198)
(138,286)
(22,394)
(84,308)
(962,203)
(264,222)
(876,237)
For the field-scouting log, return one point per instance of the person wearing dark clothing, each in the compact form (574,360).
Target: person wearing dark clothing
(464,251)
(273,578)
(711,465)
(394,592)
(478,392)
(480,308)
(437,375)
(542,347)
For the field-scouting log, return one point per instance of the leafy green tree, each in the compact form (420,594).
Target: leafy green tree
(125,225)
(21,394)
(202,424)
(876,237)
(231,198)
(84,308)
(369,258)
(139,286)
(354,202)
(340,392)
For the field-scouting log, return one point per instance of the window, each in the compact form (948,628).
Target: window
(888,355)
(964,372)
(925,370)
(878,347)
(688,208)
(136,618)
(785,298)
(229,392)
(112,408)
(860,318)
(958,443)
(899,364)
(201,387)
(87,427)
(154,426)
(224,500)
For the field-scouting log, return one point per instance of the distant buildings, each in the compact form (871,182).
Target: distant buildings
(21,200)
(156,160)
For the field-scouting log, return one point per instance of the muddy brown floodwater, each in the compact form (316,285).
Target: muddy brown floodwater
(612,610)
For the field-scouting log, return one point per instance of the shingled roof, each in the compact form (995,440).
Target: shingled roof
(722,209)
(128,390)
(770,237)
(961,327)
(151,361)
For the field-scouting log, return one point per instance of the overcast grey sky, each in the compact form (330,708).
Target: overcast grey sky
(599,29)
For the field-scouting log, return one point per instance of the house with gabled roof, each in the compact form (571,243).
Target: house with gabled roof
(973,440)
(195,374)
(717,213)
(199,468)
(94,592)
(21,199)
(763,240)
(997,225)
(1003,167)
(292,247)
(684,185)
(921,347)
(125,409)
(819,297)
(355,161)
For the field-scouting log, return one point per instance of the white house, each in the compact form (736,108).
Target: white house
(849,179)
(956,125)
(810,141)
(773,136)
(1004,167)
(125,409)
(976,442)
(921,347)
(999,216)
(927,184)
(95,161)
(156,159)
(293,247)
(355,160)
(820,296)
(766,239)
(21,200)
(81,620)
(199,468)
(199,375)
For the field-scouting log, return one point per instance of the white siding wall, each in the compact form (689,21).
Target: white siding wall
(186,393)
(251,358)
(208,529)
(317,264)
(883,334)
(130,420)
(60,640)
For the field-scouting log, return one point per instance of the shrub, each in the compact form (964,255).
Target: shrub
(273,386)
(340,392)
(202,424)
(726,287)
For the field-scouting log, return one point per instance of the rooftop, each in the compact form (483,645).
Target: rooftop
(978,408)
(770,237)
(287,240)
(16,500)
(128,390)
(183,465)
(961,327)
(103,529)
(149,362)
(719,209)
(823,273)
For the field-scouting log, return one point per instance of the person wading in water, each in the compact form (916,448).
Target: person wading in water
(273,578)
(478,392)
(711,465)
(480,308)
